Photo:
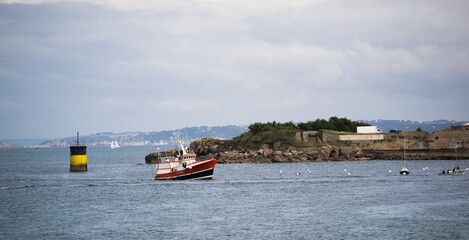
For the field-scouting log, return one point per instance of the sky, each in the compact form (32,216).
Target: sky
(145,65)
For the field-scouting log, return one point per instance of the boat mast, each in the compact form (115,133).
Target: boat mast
(181,146)
(405,164)
(187,140)
(179,143)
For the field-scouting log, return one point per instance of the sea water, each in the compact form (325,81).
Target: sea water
(118,199)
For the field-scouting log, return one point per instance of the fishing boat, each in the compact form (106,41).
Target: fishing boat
(456,170)
(184,166)
(115,144)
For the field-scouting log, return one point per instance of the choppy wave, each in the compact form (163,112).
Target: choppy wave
(16,187)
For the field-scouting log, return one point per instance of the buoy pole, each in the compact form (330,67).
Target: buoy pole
(78,161)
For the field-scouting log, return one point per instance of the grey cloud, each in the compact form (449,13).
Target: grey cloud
(84,65)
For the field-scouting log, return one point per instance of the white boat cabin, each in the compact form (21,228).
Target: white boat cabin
(168,164)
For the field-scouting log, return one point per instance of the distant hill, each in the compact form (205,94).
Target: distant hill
(161,138)
(23,142)
(406,125)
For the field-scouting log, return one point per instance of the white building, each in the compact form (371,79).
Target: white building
(368,129)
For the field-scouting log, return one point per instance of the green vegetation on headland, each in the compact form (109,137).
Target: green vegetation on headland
(334,124)
(250,140)
(285,133)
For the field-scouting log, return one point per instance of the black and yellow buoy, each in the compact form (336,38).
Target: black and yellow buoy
(78,161)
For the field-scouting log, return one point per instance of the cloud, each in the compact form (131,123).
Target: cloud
(146,63)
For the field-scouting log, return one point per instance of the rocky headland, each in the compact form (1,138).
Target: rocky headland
(297,146)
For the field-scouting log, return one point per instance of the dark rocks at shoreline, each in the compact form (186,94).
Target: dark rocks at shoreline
(267,154)
(290,155)
(322,153)
(155,156)
(331,153)
(278,152)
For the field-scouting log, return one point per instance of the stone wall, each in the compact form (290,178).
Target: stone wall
(361,137)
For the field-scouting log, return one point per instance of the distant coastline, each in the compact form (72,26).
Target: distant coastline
(162,139)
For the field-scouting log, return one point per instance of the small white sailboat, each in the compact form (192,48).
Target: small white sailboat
(115,144)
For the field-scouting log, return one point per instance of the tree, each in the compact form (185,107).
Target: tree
(271,126)
(334,123)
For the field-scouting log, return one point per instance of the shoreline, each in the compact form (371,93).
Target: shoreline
(327,153)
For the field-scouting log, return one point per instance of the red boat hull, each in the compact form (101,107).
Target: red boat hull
(199,170)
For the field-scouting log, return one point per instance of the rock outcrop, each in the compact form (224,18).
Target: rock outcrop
(446,144)
(155,156)
(275,153)
(288,154)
